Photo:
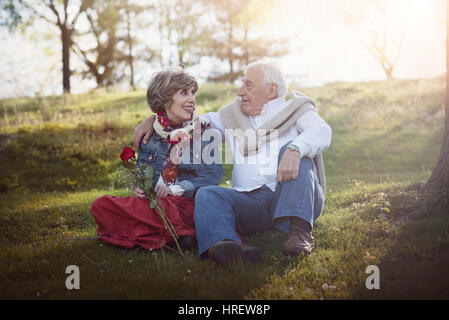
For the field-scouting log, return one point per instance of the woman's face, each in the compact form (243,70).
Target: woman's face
(182,107)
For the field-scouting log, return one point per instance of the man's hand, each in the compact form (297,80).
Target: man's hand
(289,166)
(144,129)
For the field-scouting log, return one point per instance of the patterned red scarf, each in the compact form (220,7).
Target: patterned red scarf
(170,168)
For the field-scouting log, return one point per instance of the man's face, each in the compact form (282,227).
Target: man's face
(253,93)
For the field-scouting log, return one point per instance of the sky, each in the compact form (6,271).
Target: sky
(324,49)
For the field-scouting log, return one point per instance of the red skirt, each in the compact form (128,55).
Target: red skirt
(129,221)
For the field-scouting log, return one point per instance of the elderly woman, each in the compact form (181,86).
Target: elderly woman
(129,221)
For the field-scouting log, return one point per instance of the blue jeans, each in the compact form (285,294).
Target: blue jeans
(223,213)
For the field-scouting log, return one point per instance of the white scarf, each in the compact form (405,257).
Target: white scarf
(187,126)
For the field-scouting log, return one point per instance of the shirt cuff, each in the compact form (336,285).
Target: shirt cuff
(177,190)
(301,147)
(188,188)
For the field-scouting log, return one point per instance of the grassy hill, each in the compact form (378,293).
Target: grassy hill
(58,154)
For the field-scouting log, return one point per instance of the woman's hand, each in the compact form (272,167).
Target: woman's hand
(162,191)
(139,193)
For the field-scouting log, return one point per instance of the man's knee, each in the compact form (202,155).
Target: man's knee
(203,197)
(204,193)
(306,164)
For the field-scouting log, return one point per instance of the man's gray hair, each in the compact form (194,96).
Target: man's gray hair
(272,73)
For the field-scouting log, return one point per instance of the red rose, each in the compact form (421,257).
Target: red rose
(127,154)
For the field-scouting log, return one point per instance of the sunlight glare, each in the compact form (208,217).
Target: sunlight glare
(421,5)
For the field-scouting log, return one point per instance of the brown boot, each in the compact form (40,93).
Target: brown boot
(226,251)
(297,242)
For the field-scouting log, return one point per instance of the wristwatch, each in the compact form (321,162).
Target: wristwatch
(293,148)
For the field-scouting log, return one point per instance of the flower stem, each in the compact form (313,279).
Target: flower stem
(169,226)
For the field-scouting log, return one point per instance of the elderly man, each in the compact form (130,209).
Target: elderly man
(286,192)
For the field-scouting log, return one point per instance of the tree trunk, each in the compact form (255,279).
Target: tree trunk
(246,46)
(388,68)
(66,37)
(230,55)
(181,58)
(438,184)
(100,82)
(130,56)
(446,100)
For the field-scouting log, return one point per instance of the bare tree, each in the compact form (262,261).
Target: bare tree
(112,47)
(129,47)
(57,13)
(370,21)
(103,18)
(184,30)
(235,39)
(130,42)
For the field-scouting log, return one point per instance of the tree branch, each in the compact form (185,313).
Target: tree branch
(66,2)
(404,31)
(94,30)
(85,59)
(85,4)
(51,5)
(40,15)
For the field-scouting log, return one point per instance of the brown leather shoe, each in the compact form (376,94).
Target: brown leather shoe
(226,251)
(297,242)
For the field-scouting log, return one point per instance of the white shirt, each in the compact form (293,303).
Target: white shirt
(175,189)
(311,134)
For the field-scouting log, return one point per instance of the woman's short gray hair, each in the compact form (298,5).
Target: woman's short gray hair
(165,84)
(271,74)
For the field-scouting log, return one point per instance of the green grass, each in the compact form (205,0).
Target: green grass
(58,154)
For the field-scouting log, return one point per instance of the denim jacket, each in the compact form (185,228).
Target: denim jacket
(190,176)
